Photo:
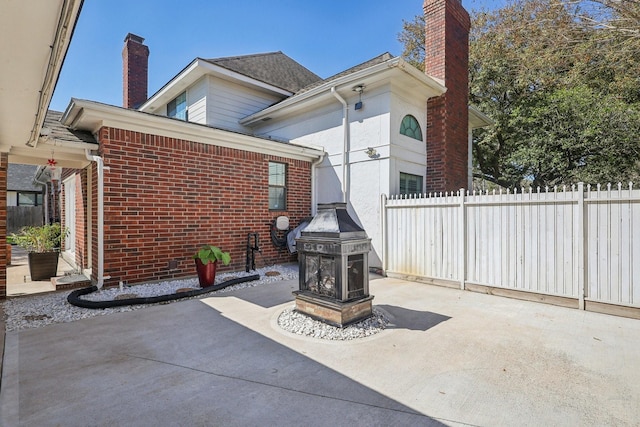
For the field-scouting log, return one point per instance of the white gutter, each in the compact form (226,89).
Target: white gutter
(91,116)
(345,147)
(436,86)
(314,181)
(64,31)
(100,164)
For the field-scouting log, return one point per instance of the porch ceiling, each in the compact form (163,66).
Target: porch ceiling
(34,39)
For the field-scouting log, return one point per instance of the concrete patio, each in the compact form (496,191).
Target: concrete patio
(19,282)
(449,358)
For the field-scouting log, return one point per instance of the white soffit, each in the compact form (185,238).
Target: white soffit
(91,116)
(34,39)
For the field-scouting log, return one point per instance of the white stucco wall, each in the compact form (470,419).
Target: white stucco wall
(369,176)
(408,155)
(375,126)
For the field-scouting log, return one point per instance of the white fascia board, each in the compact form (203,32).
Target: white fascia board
(91,116)
(433,87)
(185,77)
(194,71)
(70,10)
(56,143)
(477,119)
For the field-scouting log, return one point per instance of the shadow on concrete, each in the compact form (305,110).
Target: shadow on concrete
(265,296)
(180,364)
(404,318)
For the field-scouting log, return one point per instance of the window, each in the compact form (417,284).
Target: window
(277,186)
(411,128)
(178,107)
(29,199)
(410,184)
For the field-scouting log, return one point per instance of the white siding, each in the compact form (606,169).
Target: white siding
(228,102)
(197,101)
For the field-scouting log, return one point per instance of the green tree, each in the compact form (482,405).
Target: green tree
(560,82)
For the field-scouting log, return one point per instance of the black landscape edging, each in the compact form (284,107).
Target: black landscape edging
(74,296)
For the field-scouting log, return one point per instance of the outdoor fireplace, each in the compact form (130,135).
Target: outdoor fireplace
(334,268)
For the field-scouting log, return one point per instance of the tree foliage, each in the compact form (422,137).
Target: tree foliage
(561,80)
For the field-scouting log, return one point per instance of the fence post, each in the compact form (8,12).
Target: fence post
(581,242)
(383,211)
(463,241)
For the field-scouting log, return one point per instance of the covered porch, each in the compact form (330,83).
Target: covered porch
(35,41)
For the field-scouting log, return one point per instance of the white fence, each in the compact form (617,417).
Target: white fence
(578,243)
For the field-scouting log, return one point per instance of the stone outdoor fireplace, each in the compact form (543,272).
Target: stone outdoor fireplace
(334,268)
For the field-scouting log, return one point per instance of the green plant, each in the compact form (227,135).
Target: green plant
(44,238)
(210,253)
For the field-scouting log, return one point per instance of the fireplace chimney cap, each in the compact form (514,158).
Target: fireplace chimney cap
(333,220)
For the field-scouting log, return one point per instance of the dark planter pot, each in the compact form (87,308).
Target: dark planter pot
(206,273)
(43,265)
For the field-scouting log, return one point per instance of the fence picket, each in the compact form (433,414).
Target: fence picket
(553,241)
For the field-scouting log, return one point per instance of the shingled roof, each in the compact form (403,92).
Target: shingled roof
(20,178)
(63,133)
(274,68)
(370,63)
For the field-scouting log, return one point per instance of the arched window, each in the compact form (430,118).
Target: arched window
(411,128)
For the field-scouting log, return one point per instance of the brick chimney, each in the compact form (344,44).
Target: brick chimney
(135,61)
(447,58)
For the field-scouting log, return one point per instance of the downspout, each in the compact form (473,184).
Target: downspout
(314,181)
(45,197)
(345,148)
(100,164)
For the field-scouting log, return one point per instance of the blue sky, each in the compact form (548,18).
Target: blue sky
(326,36)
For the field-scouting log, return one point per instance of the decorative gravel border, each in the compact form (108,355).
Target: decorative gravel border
(27,312)
(301,324)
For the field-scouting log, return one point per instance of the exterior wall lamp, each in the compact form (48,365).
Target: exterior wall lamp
(359,89)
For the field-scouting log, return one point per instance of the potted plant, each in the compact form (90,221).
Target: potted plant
(43,244)
(206,262)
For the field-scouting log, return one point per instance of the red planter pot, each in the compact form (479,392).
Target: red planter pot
(206,273)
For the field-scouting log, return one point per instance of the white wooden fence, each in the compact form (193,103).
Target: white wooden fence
(581,245)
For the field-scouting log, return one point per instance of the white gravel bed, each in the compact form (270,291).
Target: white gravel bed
(41,310)
(301,324)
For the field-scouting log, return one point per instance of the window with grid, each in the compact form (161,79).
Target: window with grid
(178,107)
(277,186)
(410,184)
(411,128)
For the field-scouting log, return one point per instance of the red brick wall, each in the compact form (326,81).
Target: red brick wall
(4,165)
(447,58)
(135,62)
(164,198)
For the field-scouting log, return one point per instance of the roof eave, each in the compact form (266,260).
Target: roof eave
(91,116)
(433,88)
(477,119)
(193,72)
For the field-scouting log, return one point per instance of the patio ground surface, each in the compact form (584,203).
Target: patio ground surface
(448,358)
